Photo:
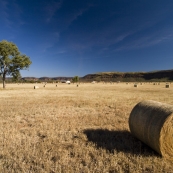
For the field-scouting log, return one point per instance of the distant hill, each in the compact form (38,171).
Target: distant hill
(46,79)
(163,75)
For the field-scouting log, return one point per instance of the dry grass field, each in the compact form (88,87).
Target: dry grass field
(76,129)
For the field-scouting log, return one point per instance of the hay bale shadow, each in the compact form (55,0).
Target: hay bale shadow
(121,141)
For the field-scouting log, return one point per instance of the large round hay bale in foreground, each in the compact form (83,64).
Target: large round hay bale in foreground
(152,123)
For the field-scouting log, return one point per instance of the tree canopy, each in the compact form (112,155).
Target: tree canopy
(12,61)
(75,79)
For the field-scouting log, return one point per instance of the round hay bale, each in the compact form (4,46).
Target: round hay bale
(135,85)
(167,85)
(152,123)
(36,87)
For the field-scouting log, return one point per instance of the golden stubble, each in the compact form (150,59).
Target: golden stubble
(75,129)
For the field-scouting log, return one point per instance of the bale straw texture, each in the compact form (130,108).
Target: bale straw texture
(152,123)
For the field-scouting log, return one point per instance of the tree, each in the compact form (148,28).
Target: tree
(16,77)
(75,79)
(11,61)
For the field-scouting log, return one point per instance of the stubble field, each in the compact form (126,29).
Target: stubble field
(76,129)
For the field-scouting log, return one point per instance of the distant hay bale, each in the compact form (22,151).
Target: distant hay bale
(36,87)
(167,86)
(152,123)
(135,85)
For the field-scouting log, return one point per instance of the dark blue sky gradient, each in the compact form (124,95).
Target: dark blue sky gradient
(78,37)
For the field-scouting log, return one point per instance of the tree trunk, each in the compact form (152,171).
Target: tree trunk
(3,78)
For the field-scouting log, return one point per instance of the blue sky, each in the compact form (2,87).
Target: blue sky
(79,37)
